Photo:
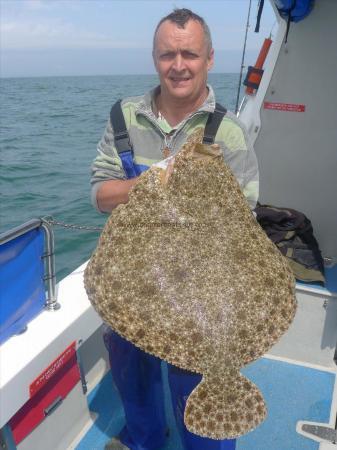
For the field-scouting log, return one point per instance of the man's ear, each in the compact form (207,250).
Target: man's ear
(210,59)
(154,59)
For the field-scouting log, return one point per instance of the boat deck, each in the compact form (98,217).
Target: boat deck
(308,397)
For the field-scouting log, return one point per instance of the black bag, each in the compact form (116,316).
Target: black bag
(292,232)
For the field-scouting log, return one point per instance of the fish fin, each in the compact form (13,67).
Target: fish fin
(169,169)
(207,152)
(224,407)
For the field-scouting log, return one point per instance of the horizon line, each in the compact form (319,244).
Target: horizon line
(101,75)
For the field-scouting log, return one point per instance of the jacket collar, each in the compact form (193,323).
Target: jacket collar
(145,106)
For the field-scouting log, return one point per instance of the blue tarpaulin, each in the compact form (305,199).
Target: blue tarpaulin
(296,9)
(22,290)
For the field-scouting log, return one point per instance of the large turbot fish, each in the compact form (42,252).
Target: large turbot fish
(184,271)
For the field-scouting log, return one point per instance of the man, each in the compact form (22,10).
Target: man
(158,124)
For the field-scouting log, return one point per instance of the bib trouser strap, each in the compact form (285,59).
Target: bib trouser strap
(213,122)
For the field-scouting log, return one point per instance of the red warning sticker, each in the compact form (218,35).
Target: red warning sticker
(284,106)
(53,368)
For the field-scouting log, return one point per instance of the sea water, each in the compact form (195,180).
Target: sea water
(49,131)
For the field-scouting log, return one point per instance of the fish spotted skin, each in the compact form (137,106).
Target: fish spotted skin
(184,271)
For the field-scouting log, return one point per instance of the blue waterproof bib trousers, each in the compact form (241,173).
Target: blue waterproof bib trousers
(138,378)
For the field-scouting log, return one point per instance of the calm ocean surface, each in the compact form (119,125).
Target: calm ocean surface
(49,131)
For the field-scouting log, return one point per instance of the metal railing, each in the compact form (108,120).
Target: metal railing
(48,255)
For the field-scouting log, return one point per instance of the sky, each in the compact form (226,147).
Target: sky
(107,37)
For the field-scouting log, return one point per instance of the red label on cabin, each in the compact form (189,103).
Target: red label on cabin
(284,106)
(52,369)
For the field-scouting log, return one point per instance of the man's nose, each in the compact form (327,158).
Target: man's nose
(178,63)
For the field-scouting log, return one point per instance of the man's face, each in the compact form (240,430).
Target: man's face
(182,60)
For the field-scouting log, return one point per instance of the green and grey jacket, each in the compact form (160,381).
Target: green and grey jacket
(149,135)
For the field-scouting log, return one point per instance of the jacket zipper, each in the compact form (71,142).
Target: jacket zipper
(168,144)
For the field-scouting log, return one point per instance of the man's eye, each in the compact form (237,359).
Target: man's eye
(166,56)
(189,55)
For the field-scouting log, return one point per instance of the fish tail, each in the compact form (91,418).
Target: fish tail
(224,407)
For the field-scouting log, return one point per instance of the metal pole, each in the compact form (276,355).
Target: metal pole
(51,303)
(243,59)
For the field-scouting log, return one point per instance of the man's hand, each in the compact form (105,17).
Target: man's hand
(114,192)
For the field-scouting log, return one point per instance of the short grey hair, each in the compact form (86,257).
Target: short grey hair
(180,17)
